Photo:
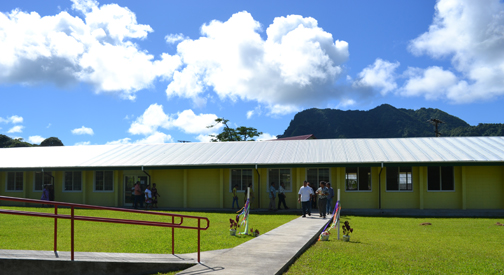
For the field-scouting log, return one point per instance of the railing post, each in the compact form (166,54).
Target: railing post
(55,229)
(199,226)
(72,233)
(173,236)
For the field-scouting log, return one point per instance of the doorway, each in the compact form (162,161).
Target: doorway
(129,187)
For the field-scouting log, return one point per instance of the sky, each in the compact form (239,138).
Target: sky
(123,72)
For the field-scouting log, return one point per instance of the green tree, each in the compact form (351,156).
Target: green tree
(241,133)
(52,141)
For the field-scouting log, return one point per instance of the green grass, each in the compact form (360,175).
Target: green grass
(402,246)
(36,233)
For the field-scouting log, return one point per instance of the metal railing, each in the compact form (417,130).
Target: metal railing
(72,217)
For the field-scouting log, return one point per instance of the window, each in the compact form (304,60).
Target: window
(358,178)
(73,181)
(399,179)
(14,181)
(316,175)
(104,181)
(278,176)
(440,178)
(41,179)
(242,178)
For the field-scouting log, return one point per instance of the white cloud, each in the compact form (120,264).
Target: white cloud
(187,121)
(35,139)
(379,76)
(266,136)
(83,131)
(16,129)
(156,137)
(297,65)
(119,141)
(471,34)
(49,125)
(174,38)
(82,143)
(65,49)
(13,119)
(148,123)
(250,114)
(432,83)
(205,138)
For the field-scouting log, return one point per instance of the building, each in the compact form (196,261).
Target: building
(394,173)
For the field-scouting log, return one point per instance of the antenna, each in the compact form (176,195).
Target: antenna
(435,122)
(183,141)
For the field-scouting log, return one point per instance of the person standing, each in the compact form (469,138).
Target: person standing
(304,197)
(313,198)
(272,195)
(329,198)
(148,197)
(45,193)
(138,195)
(322,193)
(235,197)
(281,196)
(155,194)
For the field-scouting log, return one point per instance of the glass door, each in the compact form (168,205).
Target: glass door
(129,187)
(129,190)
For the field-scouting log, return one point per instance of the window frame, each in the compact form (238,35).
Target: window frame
(64,182)
(94,182)
(370,179)
(41,186)
(398,179)
(231,179)
(440,179)
(15,177)
(269,181)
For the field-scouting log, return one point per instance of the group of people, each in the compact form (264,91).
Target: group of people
(324,194)
(306,196)
(149,196)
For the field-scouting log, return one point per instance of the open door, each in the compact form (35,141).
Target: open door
(129,187)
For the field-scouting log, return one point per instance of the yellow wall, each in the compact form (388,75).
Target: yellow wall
(169,184)
(358,199)
(484,187)
(476,187)
(400,199)
(443,199)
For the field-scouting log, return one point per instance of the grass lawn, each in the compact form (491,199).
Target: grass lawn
(36,233)
(402,246)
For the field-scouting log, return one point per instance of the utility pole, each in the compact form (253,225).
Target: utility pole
(435,122)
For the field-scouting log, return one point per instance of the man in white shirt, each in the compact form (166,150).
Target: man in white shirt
(304,197)
(148,197)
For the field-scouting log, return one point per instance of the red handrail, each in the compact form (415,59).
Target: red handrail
(72,218)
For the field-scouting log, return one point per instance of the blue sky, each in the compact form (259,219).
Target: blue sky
(116,72)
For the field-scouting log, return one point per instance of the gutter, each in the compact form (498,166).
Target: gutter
(147,175)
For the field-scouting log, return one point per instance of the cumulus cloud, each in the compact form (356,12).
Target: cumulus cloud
(471,33)
(16,129)
(296,65)
(379,76)
(35,139)
(266,136)
(65,49)
(83,131)
(174,38)
(13,119)
(154,118)
(432,83)
(156,137)
(120,141)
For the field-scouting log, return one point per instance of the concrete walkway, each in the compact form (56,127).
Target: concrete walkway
(270,253)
